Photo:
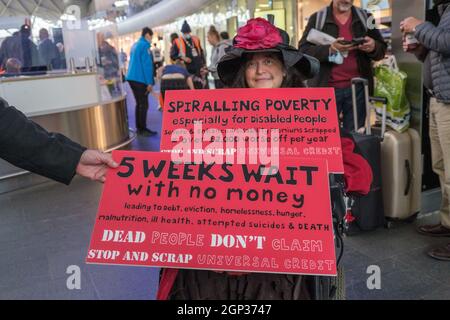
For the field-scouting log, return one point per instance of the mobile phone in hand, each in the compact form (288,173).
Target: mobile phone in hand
(358,41)
(345,42)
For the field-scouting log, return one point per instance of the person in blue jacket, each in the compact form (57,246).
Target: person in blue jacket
(140,78)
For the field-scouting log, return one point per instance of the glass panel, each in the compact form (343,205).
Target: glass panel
(69,45)
(108,63)
(31,51)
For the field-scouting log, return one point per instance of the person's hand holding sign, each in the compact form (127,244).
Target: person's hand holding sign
(94,164)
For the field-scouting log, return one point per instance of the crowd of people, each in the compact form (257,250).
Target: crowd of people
(341,20)
(188,68)
(339,61)
(235,64)
(18,53)
(260,56)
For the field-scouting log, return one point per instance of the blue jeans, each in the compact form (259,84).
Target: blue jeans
(344,105)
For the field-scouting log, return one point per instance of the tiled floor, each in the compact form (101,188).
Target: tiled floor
(400,253)
(46,228)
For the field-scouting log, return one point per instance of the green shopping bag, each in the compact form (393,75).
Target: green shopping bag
(390,83)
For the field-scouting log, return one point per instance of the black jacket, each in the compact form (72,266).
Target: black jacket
(322,52)
(25,144)
(21,48)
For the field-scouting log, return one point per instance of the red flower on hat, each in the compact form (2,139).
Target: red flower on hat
(258,33)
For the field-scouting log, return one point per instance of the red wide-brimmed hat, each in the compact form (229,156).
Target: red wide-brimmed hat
(257,36)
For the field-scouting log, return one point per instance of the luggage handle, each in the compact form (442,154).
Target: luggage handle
(360,80)
(384,101)
(365,83)
(408,177)
(369,107)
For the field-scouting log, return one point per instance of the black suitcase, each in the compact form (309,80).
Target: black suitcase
(368,210)
(172,82)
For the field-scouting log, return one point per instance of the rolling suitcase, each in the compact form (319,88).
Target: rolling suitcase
(401,174)
(401,170)
(368,211)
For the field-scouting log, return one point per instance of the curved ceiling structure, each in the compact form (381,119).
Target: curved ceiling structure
(163,12)
(46,9)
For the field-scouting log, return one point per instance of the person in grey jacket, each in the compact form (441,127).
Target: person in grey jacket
(217,52)
(437,40)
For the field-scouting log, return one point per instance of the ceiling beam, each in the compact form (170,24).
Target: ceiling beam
(56,7)
(5,7)
(36,8)
(27,12)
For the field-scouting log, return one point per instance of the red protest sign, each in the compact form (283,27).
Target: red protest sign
(155,212)
(303,119)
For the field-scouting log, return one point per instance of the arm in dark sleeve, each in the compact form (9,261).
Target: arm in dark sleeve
(320,52)
(115,59)
(380,45)
(174,52)
(203,56)
(421,53)
(25,144)
(2,54)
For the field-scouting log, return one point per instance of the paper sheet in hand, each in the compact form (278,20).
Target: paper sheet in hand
(319,38)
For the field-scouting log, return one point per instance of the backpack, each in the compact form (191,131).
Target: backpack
(322,16)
